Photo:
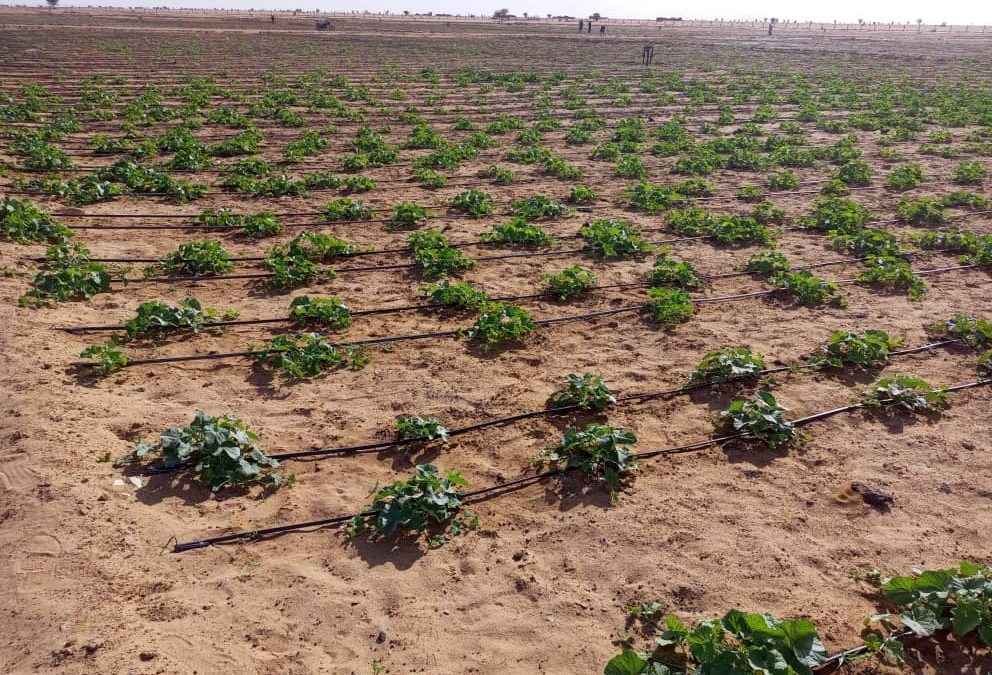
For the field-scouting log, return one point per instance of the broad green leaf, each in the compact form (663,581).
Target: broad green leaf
(626,663)
(967,615)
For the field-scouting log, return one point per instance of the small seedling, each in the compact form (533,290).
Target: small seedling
(585,392)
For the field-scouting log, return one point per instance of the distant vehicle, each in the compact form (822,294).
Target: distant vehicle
(324,24)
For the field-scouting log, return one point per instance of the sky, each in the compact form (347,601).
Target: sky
(954,11)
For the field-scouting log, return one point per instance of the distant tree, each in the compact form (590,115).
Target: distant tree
(406,12)
(52,3)
(501,13)
(595,16)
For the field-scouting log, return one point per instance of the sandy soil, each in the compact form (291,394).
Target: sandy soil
(91,585)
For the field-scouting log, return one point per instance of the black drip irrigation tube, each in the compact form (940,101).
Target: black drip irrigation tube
(460,331)
(501,489)
(373,447)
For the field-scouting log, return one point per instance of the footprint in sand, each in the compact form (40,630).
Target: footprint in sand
(16,474)
(35,562)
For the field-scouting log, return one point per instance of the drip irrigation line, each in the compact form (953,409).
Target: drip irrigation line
(461,331)
(498,298)
(502,489)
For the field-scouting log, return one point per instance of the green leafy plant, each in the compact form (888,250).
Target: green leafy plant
(320,246)
(762,418)
(582,194)
(782,180)
(203,257)
(220,451)
(345,208)
(500,324)
(457,295)
(598,451)
(669,272)
(855,173)
(25,223)
(833,213)
(868,350)
(585,392)
(727,364)
(738,644)
(609,238)
(499,174)
(260,225)
(407,216)
(329,313)
(741,231)
(538,207)
(973,331)
(307,355)
(155,318)
(68,274)
(692,221)
(569,283)
(415,428)
(108,358)
(425,501)
(889,271)
(969,173)
(905,177)
(767,264)
(908,392)
(808,289)
(518,232)
(922,211)
(669,306)
(475,203)
(750,193)
(434,256)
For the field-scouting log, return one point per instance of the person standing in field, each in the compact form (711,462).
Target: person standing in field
(589,27)
(581,25)
(602,29)
(647,54)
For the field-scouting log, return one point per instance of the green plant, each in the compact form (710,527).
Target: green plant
(329,313)
(655,198)
(808,289)
(969,173)
(952,241)
(922,211)
(762,418)
(407,216)
(356,184)
(500,324)
(319,246)
(475,203)
(766,212)
(907,392)
(25,223)
(68,274)
(856,172)
(569,283)
(345,208)
(691,222)
(738,644)
(905,177)
(582,194)
(610,238)
(975,332)
(434,256)
(782,180)
(630,166)
(108,357)
(767,264)
(891,272)
(865,241)
(668,271)
(741,231)
(585,392)
(429,178)
(499,175)
(292,268)
(957,599)
(518,232)
(427,500)
(538,207)
(669,306)
(221,452)
(833,213)
(750,193)
(307,355)
(194,258)
(415,428)
(868,350)
(260,225)
(598,451)
(726,364)
(154,318)
(458,295)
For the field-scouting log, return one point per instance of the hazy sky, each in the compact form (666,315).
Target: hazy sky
(953,11)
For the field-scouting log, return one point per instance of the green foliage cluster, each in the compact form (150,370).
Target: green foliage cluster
(762,418)
(727,364)
(307,355)
(421,429)
(973,331)
(68,274)
(669,306)
(910,393)
(434,256)
(585,392)
(346,209)
(155,318)
(476,203)
(202,257)
(887,271)
(22,221)
(569,283)
(329,313)
(598,451)
(808,289)
(867,350)
(500,324)
(518,232)
(669,272)
(538,207)
(407,216)
(610,238)
(767,264)
(457,295)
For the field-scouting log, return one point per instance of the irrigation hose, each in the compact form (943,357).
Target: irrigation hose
(502,489)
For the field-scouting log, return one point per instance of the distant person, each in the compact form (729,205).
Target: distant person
(588,26)
(581,25)
(272,18)
(602,29)
(647,54)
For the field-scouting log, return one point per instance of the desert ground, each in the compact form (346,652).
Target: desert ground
(544,583)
